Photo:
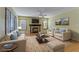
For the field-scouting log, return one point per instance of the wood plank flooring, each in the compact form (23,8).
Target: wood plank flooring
(33,46)
(72,47)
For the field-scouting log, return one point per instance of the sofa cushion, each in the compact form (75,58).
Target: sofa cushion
(57,31)
(18,33)
(62,30)
(58,34)
(13,36)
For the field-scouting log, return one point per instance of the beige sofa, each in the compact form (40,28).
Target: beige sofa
(62,35)
(20,42)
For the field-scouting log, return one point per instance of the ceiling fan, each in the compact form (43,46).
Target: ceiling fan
(41,13)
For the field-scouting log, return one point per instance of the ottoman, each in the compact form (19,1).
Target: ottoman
(56,46)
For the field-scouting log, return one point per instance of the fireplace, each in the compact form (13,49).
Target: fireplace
(35,28)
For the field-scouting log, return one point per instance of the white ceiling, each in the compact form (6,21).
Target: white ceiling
(35,11)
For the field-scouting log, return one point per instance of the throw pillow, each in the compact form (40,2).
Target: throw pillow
(13,36)
(62,30)
(18,33)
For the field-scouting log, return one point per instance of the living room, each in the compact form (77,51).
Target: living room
(39,29)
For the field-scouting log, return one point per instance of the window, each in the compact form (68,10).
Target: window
(22,24)
(45,23)
(10,21)
(7,20)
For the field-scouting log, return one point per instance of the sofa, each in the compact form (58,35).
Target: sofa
(15,35)
(62,34)
(14,38)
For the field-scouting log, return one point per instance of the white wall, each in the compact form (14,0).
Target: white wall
(2,22)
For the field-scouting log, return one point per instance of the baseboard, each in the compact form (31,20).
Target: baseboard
(75,39)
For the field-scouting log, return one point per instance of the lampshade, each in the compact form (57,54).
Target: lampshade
(20,27)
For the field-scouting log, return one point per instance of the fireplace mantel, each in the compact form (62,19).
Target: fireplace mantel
(35,24)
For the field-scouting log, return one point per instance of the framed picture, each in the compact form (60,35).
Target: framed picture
(62,21)
(65,21)
(58,21)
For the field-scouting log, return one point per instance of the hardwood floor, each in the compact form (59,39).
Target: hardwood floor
(72,47)
(33,46)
